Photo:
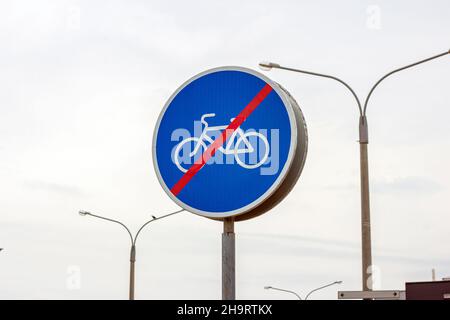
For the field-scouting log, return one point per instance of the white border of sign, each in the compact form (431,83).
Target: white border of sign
(284,171)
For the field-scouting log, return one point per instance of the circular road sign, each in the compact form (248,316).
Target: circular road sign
(229,143)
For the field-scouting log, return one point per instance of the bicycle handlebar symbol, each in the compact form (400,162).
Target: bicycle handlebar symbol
(238,135)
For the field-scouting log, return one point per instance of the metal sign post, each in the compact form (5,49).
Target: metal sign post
(228,260)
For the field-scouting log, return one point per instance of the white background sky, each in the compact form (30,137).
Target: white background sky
(83,82)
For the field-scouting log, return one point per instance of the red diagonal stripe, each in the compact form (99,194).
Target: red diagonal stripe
(211,150)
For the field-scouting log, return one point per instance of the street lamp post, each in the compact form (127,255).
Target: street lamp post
(133,241)
(297,295)
(364,160)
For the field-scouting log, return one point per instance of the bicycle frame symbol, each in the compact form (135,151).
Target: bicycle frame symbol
(238,135)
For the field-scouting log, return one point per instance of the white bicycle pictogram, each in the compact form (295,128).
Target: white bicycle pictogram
(201,144)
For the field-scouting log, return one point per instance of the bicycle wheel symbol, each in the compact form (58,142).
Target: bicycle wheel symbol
(187,150)
(261,143)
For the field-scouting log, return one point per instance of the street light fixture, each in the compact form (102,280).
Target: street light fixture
(133,241)
(267,66)
(364,162)
(307,296)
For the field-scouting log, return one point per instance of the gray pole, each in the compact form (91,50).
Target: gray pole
(366,241)
(228,260)
(132,263)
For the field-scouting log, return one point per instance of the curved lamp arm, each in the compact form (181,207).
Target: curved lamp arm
(270,65)
(284,290)
(86,213)
(397,70)
(323,287)
(154,219)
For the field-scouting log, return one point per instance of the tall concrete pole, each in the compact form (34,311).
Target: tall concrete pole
(228,260)
(366,240)
(132,277)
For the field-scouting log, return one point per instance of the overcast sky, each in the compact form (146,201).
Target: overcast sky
(83,82)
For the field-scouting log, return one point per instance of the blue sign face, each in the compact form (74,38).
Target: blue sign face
(224,142)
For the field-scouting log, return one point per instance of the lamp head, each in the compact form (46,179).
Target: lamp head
(267,287)
(267,66)
(83,213)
